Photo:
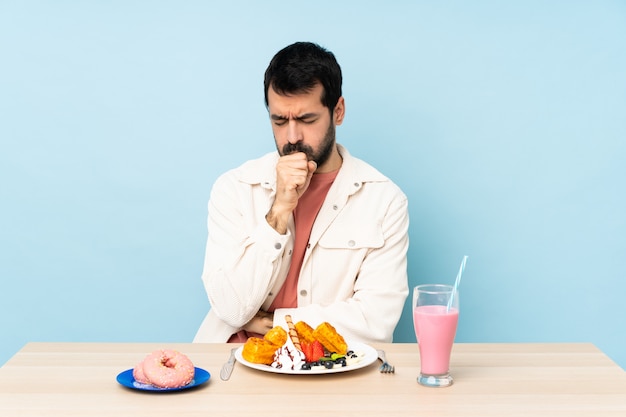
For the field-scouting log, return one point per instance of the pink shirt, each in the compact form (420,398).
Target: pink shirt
(304,216)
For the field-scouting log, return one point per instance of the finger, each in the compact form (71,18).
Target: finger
(311,167)
(262,313)
(297,159)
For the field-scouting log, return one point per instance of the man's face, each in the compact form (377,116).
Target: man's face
(301,123)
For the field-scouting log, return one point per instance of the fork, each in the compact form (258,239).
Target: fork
(386,367)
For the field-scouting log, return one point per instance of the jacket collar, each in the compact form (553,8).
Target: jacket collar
(353,171)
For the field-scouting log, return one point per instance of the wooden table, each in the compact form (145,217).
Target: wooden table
(79,379)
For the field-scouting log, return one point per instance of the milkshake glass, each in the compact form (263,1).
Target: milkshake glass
(435,318)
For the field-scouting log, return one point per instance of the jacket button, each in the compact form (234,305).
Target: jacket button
(335,207)
(277,245)
(351,243)
(303,293)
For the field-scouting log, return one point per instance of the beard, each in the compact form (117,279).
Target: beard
(322,154)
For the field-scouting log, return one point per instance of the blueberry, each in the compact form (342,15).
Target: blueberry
(306,367)
(329,364)
(350,353)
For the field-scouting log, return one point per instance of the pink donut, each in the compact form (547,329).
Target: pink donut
(139,375)
(168,369)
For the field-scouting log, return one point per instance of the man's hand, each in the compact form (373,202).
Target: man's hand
(261,323)
(293,176)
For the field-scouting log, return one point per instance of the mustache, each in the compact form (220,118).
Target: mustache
(290,148)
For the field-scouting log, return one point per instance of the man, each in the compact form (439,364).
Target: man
(309,230)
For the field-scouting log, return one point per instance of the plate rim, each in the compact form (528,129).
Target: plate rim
(126,379)
(370,357)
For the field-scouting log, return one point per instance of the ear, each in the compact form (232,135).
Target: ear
(339,112)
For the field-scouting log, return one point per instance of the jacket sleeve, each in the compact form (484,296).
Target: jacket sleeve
(243,254)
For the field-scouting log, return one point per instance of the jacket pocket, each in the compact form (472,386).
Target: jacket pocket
(352,236)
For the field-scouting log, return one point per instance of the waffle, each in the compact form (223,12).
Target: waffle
(305,332)
(276,336)
(330,339)
(257,350)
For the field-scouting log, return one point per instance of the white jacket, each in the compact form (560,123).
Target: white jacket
(354,272)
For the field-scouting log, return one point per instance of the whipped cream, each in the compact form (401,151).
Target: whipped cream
(354,358)
(288,357)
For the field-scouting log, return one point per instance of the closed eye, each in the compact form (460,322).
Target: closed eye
(307,118)
(278,120)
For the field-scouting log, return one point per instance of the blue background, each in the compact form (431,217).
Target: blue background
(504,122)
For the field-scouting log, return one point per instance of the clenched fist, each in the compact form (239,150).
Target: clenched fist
(293,176)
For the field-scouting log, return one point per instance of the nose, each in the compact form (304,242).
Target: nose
(294,133)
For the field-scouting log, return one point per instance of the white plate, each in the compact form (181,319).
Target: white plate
(368,352)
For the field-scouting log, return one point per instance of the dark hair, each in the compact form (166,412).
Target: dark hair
(299,67)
